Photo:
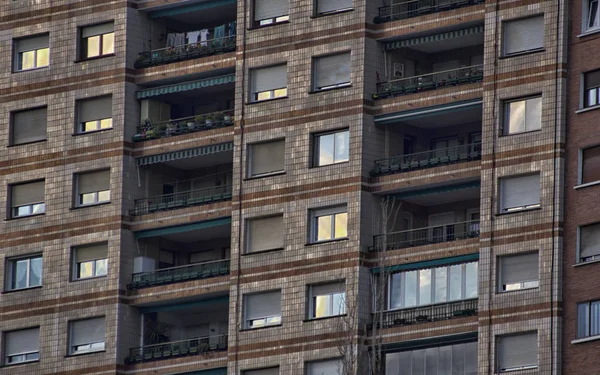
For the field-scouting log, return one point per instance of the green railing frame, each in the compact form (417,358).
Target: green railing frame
(429,313)
(194,346)
(192,124)
(188,198)
(416,8)
(187,272)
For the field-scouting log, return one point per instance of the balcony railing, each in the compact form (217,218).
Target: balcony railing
(147,130)
(430,313)
(426,236)
(431,81)
(173,349)
(171,275)
(182,199)
(185,52)
(414,8)
(427,159)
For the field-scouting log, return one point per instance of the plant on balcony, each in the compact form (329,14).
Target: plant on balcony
(155,332)
(209,119)
(219,117)
(143,129)
(228,119)
(200,120)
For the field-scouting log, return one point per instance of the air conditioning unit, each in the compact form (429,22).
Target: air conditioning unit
(398,70)
(143,264)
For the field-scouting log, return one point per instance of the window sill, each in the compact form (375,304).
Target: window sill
(27,143)
(256,27)
(587,184)
(321,15)
(94,58)
(89,278)
(20,363)
(519,211)
(31,70)
(22,289)
(323,318)
(341,86)
(585,339)
(522,53)
(257,328)
(519,133)
(264,175)
(517,369)
(330,165)
(86,353)
(587,109)
(262,251)
(267,100)
(24,217)
(589,32)
(89,205)
(91,132)
(326,241)
(502,292)
(580,264)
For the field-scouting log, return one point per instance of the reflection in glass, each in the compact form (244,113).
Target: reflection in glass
(341,146)
(458,359)
(395,294)
(108,43)
(418,362)
(410,289)
(431,361)
(341,225)
(533,116)
(263,95)
(101,267)
(86,269)
(106,123)
(104,196)
(90,126)
(471,280)
(441,284)
(516,112)
(88,198)
(324,228)
(425,287)
(42,58)
(326,149)
(38,208)
(93,46)
(279,93)
(455,282)
(322,306)
(28,60)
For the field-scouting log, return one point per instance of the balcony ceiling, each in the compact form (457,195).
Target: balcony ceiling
(447,197)
(440,119)
(450,44)
(205,234)
(204,161)
(202,19)
(441,193)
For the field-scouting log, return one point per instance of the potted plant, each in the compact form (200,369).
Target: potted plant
(219,117)
(151,134)
(191,123)
(227,118)
(200,120)
(209,119)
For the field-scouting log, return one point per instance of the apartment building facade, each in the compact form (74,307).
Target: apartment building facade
(286,187)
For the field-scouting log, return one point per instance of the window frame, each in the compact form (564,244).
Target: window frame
(80,126)
(523,285)
(504,54)
(255,96)
(248,322)
(9,282)
(82,42)
(11,131)
(506,114)
(312,300)
(316,144)
(498,338)
(13,211)
(509,210)
(581,164)
(255,24)
(333,211)
(17,58)
(5,356)
(75,265)
(70,349)
(248,233)
(314,80)
(324,14)
(593,258)
(585,10)
(96,194)
(307,364)
(588,326)
(584,90)
(250,158)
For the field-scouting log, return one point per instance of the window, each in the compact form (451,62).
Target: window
(518,272)
(520,193)
(262,310)
(265,233)
(329,224)
(266,158)
(331,71)
(588,319)
(590,165)
(268,83)
(327,300)
(24,272)
(331,148)
(87,335)
(433,285)
(90,261)
(457,359)
(523,115)
(264,371)
(523,35)
(332,6)
(92,188)
(517,352)
(328,367)
(591,89)
(27,199)
(589,243)
(97,40)
(268,12)
(591,19)
(94,114)
(22,346)
(32,52)
(28,126)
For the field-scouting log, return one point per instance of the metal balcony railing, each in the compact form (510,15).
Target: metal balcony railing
(185,52)
(147,130)
(171,275)
(414,8)
(427,159)
(430,313)
(182,199)
(173,349)
(430,81)
(426,236)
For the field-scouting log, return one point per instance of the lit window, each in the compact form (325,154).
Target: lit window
(94,114)
(32,52)
(268,83)
(93,188)
(90,261)
(27,199)
(22,346)
(97,40)
(331,148)
(327,300)
(329,224)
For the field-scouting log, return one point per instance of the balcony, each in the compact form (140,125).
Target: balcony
(402,10)
(430,81)
(187,272)
(431,313)
(195,346)
(182,199)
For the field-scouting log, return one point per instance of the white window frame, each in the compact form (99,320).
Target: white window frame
(10,359)
(261,96)
(85,348)
(523,285)
(585,19)
(316,213)
(312,300)
(10,272)
(317,146)
(506,115)
(32,209)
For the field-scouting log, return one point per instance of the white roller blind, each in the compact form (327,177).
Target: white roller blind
(88,331)
(91,252)
(23,341)
(266,9)
(93,181)
(271,78)
(267,157)
(30,44)
(326,6)
(332,70)
(265,233)
(519,268)
(520,191)
(29,126)
(517,351)
(95,109)
(25,194)
(332,288)
(331,367)
(263,305)
(523,35)
(103,28)
(589,240)
(265,371)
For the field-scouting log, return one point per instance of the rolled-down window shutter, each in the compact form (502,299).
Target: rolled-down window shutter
(591,165)
(265,233)
(25,194)
(94,181)
(520,191)
(23,341)
(263,305)
(523,35)
(327,6)
(33,43)
(265,371)
(95,109)
(267,157)
(91,252)
(103,28)
(517,351)
(271,78)
(592,79)
(331,288)
(589,240)
(88,331)
(331,367)
(29,126)
(519,268)
(266,9)
(332,70)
